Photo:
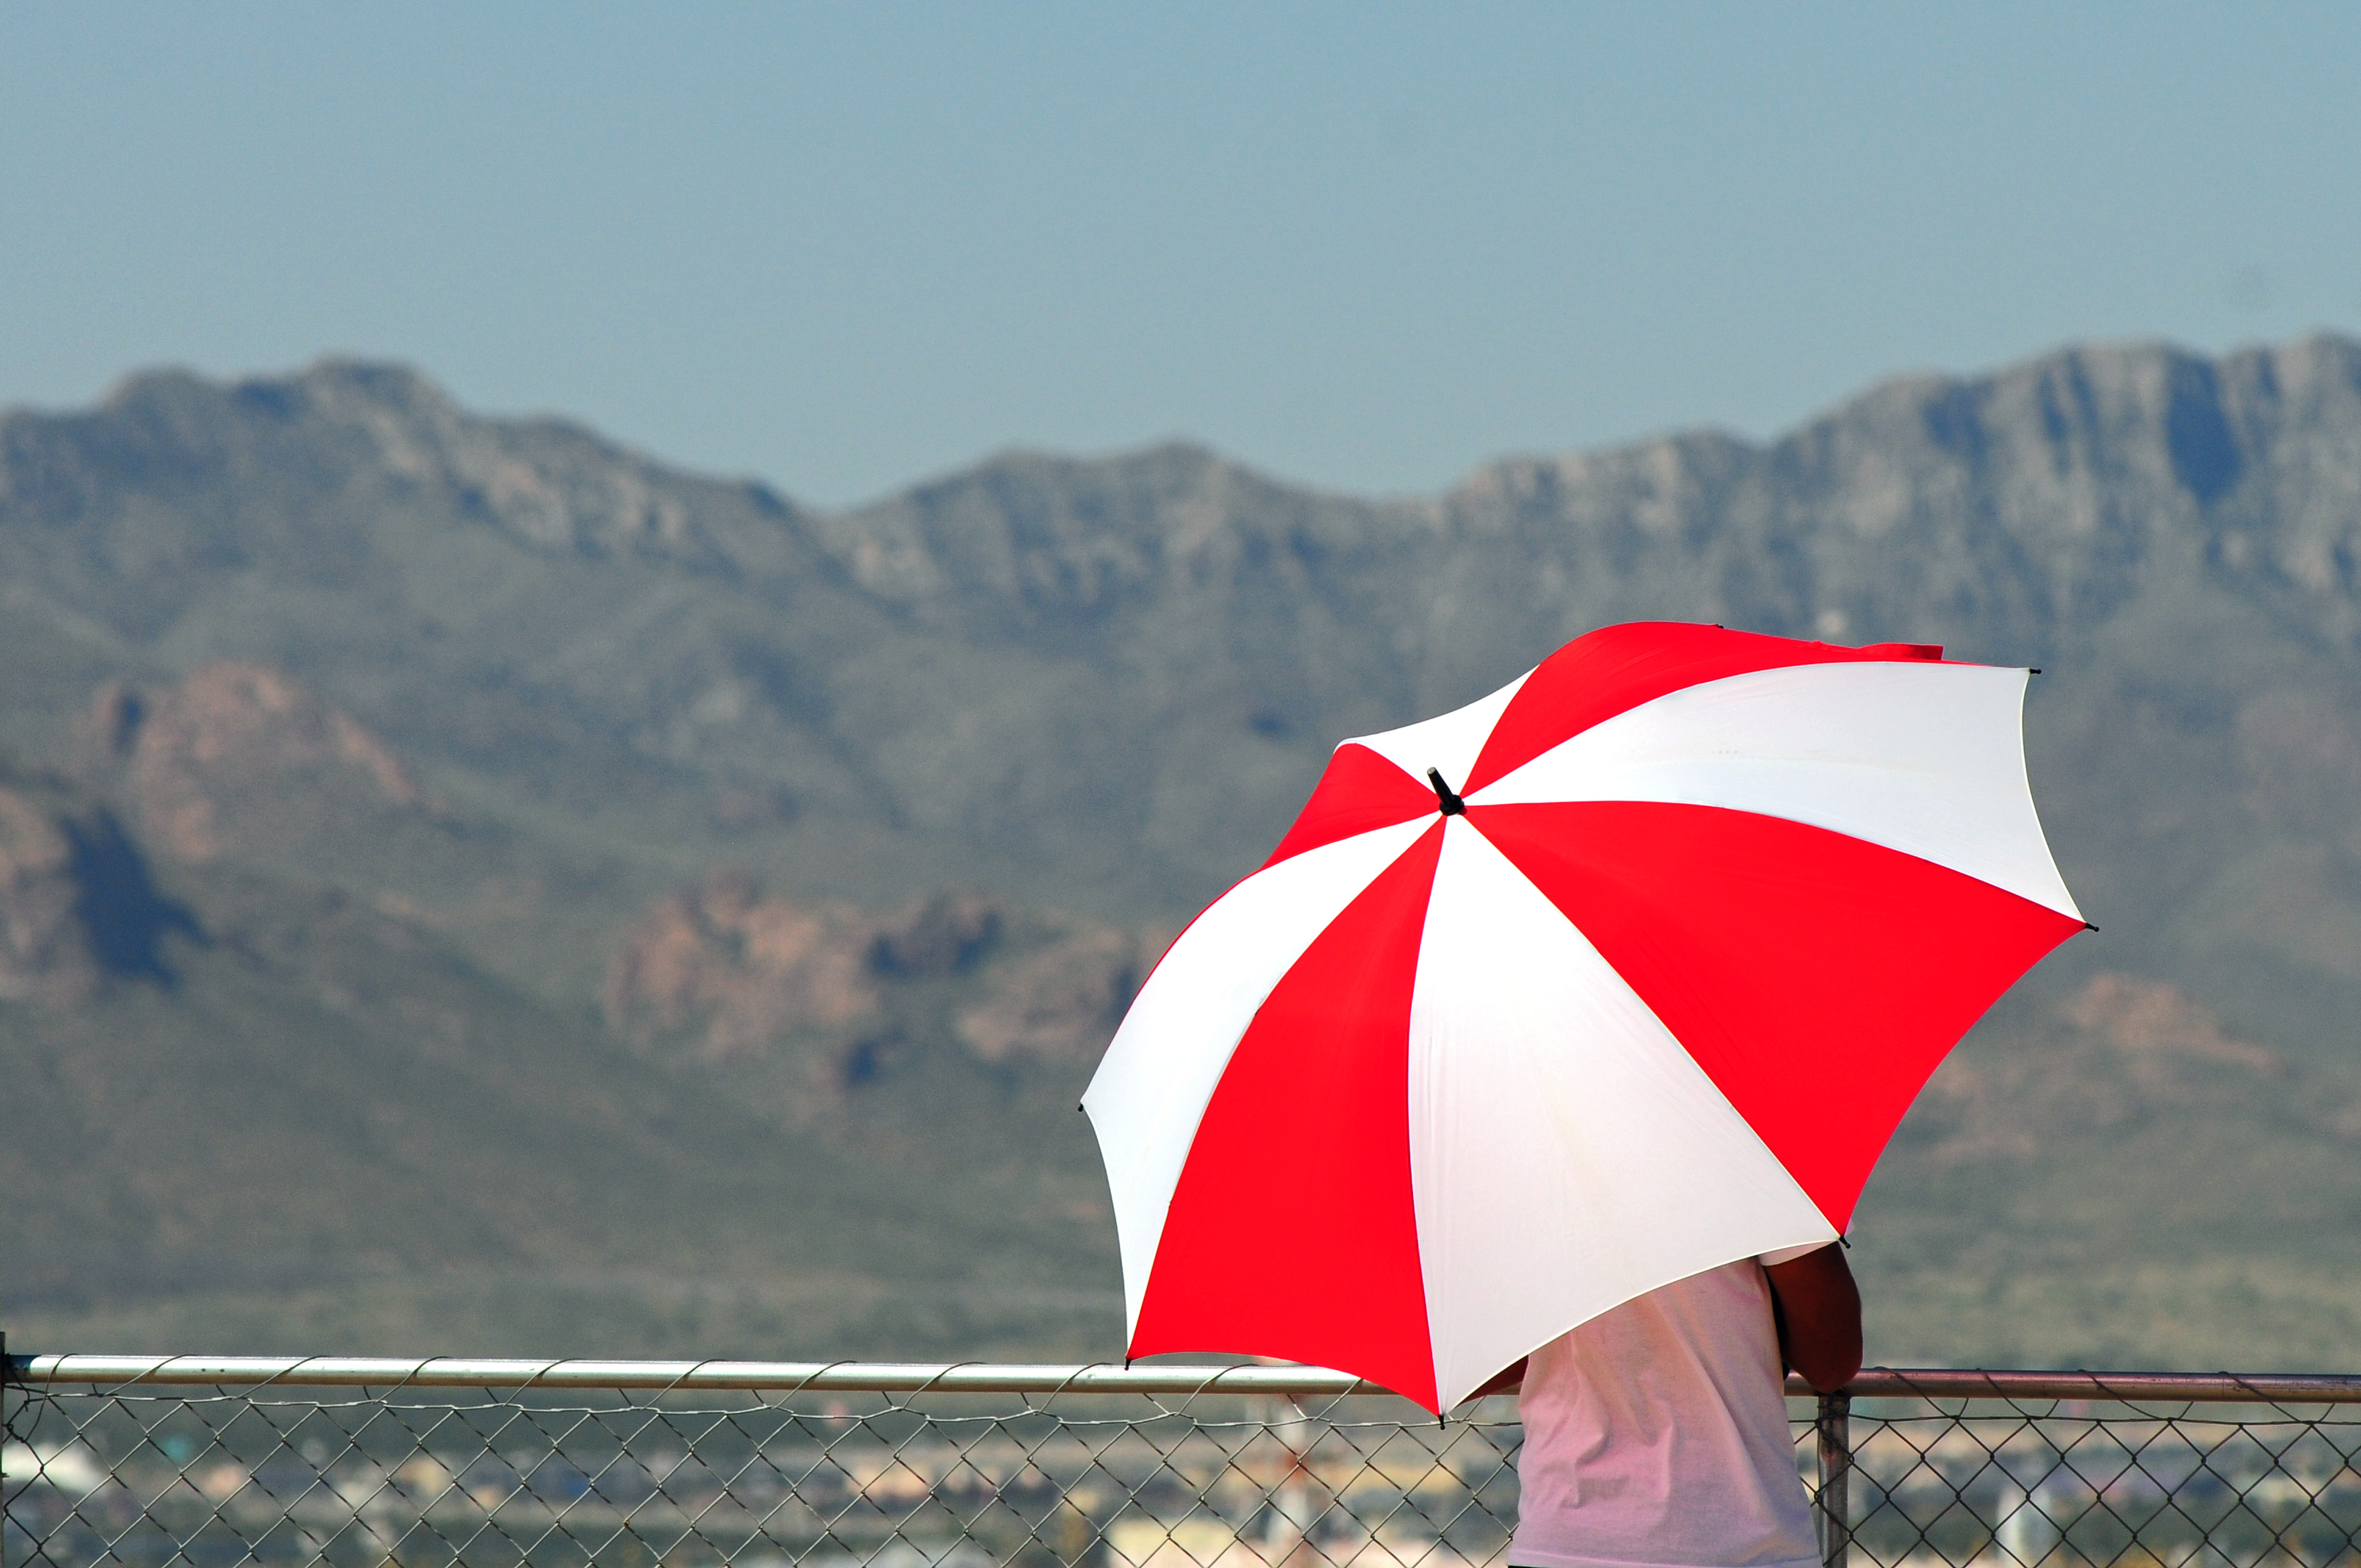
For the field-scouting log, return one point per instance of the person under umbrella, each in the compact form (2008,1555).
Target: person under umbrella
(1657,1431)
(1615,981)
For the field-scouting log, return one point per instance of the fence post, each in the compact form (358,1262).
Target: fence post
(1835,1427)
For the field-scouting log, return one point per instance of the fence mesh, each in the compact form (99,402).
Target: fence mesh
(496,1477)
(1935,1481)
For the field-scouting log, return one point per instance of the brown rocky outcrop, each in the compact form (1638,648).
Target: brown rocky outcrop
(734,970)
(941,936)
(725,973)
(2159,1032)
(238,756)
(1060,1003)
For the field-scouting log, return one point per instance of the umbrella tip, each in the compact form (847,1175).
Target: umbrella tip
(2087,925)
(1452,805)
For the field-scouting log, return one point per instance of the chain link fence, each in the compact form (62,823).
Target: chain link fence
(634,1463)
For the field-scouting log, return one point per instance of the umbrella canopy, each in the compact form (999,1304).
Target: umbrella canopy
(1623,973)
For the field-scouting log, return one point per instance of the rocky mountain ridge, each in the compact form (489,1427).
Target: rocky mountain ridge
(427,738)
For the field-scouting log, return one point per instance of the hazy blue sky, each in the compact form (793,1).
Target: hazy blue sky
(1365,245)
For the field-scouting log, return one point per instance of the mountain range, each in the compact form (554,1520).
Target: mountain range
(465,885)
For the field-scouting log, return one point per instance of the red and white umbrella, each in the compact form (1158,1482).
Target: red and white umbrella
(1623,973)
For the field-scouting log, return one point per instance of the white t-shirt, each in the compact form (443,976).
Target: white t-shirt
(1656,1434)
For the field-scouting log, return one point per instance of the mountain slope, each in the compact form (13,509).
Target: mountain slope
(1096,690)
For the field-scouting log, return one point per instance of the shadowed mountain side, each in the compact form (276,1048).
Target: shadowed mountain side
(79,906)
(469,711)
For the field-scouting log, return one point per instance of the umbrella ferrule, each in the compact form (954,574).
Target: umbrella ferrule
(1452,805)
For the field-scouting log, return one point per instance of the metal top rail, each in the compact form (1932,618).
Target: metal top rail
(840,1377)
(989,1377)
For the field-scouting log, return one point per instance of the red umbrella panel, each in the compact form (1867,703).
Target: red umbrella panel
(1625,971)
